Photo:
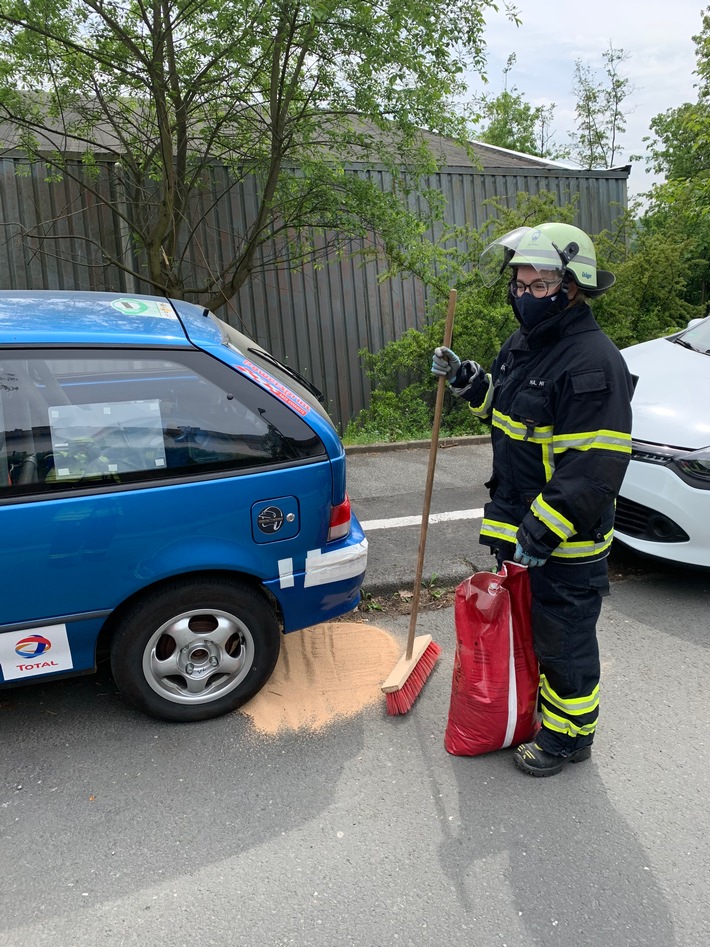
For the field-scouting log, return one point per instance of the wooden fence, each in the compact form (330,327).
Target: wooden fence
(314,319)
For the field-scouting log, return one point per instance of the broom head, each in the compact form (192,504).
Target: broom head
(406,681)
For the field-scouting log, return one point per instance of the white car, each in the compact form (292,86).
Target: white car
(664,506)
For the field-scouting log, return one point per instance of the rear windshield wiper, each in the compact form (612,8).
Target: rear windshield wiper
(308,385)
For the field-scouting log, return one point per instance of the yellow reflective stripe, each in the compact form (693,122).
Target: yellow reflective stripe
(548,460)
(569,705)
(584,440)
(567,550)
(552,721)
(587,440)
(484,409)
(554,521)
(519,432)
(497,530)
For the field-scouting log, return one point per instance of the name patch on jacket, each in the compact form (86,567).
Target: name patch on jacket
(536,382)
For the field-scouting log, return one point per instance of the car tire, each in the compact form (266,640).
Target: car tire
(195,649)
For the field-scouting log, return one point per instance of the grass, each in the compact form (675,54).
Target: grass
(376,437)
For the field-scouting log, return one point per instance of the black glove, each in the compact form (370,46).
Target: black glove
(465,377)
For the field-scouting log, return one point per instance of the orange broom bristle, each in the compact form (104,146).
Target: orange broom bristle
(399,702)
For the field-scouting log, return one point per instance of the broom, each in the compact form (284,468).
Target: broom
(406,681)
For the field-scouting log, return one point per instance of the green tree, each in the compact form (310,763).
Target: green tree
(654,270)
(678,151)
(279,90)
(507,120)
(404,390)
(600,111)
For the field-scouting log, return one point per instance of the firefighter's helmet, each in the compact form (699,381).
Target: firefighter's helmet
(554,247)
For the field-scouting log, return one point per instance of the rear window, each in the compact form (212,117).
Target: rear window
(82,419)
(269,363)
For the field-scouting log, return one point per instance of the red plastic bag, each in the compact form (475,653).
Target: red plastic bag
(496,675)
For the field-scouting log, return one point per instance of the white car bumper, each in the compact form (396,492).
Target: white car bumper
(662,491)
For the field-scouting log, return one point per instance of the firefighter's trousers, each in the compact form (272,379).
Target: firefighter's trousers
(566,602)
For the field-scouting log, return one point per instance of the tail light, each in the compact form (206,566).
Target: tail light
(339,520)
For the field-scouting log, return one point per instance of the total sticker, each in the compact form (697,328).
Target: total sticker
(144,307)
(35,651)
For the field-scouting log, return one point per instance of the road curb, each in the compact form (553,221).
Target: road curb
(444,442)
(373,585)
(443,582)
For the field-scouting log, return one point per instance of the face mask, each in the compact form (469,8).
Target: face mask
(532,311)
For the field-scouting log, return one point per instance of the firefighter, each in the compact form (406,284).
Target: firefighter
(558,398)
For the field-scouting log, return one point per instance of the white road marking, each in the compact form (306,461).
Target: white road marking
(396,521)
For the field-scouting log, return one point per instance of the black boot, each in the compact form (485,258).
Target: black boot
(534,760)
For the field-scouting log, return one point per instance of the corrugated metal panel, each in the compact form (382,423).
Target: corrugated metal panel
(314,318)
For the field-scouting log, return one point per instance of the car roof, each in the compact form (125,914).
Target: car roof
(47,317)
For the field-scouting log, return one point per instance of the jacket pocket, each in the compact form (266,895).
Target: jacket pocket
(532,408)
(492,485)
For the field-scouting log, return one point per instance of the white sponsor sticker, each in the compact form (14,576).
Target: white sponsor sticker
(35,651)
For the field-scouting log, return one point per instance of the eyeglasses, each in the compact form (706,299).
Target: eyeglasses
(538,287)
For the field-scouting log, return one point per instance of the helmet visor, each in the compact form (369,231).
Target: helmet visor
(524,246)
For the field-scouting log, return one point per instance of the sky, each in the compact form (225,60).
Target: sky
(656,34)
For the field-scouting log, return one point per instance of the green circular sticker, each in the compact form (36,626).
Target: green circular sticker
(134,307)
(157,308)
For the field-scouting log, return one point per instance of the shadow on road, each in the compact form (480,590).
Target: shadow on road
(574,867)
(102,802)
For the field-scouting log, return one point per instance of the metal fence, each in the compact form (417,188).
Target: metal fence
(315,319)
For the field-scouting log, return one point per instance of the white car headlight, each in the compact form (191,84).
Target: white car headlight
(692,465)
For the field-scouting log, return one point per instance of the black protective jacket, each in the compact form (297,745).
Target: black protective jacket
(559,402)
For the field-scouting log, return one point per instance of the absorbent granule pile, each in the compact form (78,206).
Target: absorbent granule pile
(324,673)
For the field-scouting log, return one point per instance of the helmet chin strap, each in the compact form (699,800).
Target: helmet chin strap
(562,299)
(567,255)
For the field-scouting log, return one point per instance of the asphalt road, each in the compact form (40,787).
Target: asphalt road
(119,830)
(386,487)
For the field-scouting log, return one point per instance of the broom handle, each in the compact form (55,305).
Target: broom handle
(448,333)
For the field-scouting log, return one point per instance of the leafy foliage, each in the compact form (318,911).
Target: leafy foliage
(655,269)
(277,91)
(507,120)
(679,206)
(404,390)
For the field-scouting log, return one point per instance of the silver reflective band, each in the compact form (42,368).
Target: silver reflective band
(499,530)
(574,705)
(552,519)
(552,721)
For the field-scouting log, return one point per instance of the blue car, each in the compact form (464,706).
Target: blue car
(170,494)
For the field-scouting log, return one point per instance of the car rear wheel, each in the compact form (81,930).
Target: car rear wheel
(195,649)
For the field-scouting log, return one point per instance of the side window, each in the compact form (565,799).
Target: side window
(68,422)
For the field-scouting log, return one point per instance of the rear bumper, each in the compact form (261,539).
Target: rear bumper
(325,584)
